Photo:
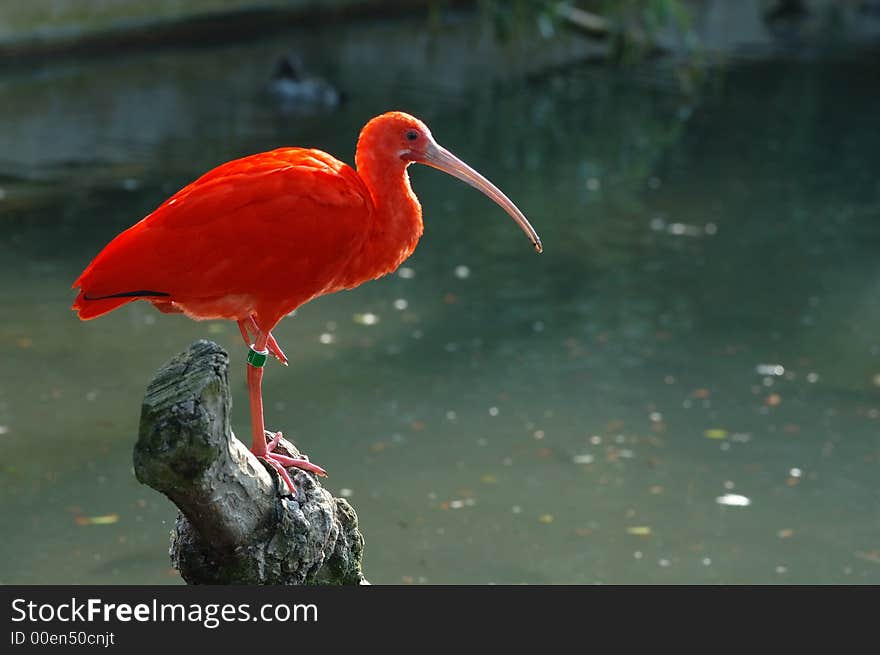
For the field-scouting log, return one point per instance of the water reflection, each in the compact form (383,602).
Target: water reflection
(702,325)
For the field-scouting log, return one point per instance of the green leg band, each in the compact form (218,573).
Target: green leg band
(256,358)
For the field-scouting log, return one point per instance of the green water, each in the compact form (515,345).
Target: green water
(702,325)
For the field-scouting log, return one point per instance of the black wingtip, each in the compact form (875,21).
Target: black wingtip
(141,293)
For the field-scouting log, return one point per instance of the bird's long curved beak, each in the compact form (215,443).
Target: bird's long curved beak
(441,159)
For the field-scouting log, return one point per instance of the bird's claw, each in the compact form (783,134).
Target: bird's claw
(294,462)
(281,462)
(273,347)
(274,438)
(279,469)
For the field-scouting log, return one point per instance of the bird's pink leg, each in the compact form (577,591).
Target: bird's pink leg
(256,360)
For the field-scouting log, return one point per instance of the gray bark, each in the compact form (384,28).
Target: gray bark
(237,525)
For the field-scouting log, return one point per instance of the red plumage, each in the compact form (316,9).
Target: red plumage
(259,235)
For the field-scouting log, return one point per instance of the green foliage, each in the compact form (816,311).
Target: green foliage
(637,27)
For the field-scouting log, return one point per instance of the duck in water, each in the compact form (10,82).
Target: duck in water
(297,92)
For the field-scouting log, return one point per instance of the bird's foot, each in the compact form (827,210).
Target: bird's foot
(281,462)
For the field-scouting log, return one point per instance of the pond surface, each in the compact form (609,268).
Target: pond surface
(684,388)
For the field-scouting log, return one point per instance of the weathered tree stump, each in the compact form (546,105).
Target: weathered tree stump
(235,525)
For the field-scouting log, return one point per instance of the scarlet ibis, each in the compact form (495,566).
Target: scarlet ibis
(257,237)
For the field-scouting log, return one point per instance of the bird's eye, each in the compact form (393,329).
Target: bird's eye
(412,135)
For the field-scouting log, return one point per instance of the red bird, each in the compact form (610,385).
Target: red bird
(255,238)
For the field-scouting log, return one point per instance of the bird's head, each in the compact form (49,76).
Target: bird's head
(409,139)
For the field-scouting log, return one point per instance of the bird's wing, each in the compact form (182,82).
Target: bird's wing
(305,172)
(278,223)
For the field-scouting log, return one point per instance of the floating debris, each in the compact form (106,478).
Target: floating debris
(488,478)
(4,429)
(715,433)
(462,272)
(639,530)
(545,518)
(406,272)
(872,556)
(583,459)
(345,492)
(773,400)
(733,500)
(326,338)
(785,533)
(400,304)
(367,318)
(104,519)
(770,369)
(685,230)
(493,411)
